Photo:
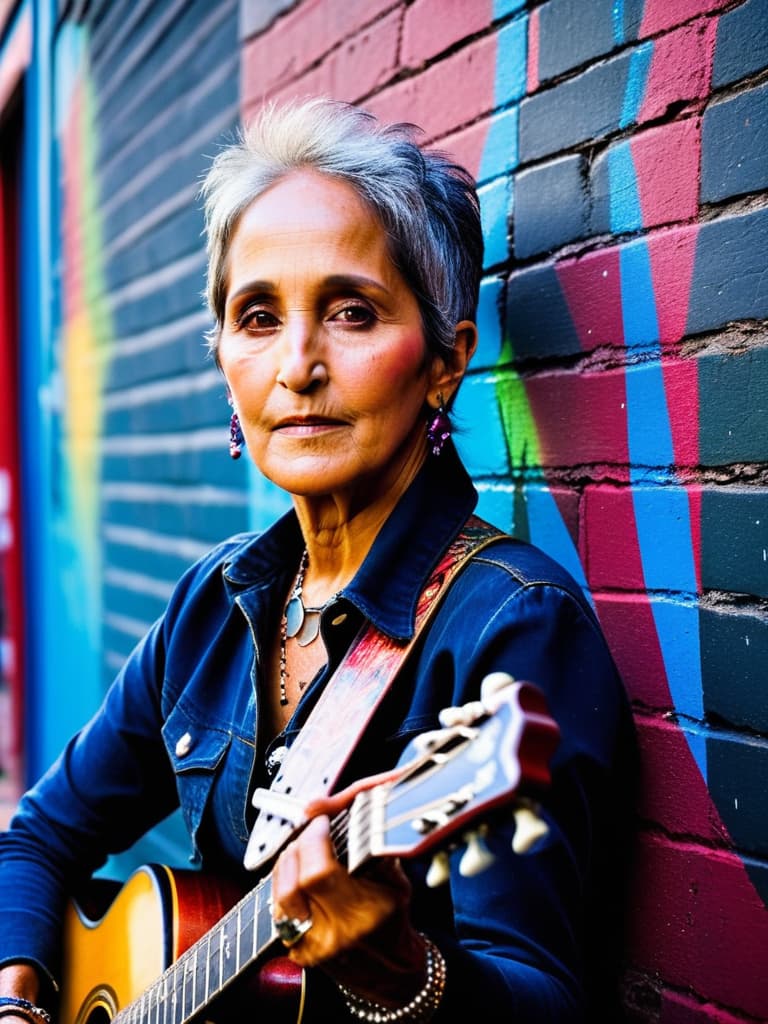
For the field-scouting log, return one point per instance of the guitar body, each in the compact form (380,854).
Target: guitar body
(159,913)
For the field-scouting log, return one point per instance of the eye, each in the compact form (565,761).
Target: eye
(256,320)
(354,314)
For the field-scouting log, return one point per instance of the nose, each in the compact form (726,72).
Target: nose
(301,363)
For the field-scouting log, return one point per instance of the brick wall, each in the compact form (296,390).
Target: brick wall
(616,411)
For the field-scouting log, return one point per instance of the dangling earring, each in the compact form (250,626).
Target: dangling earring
(439,428)
(236,439)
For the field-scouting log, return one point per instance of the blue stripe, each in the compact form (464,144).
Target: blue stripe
(624,200)
(639,66)
(666,547)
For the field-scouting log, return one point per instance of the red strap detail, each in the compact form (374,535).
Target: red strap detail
(344,709)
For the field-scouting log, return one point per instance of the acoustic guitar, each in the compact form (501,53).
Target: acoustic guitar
(173,942)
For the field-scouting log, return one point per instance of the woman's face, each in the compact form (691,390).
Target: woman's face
(322,343)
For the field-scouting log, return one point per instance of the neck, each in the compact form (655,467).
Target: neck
(339,530)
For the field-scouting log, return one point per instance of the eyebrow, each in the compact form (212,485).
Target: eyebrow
(332,281)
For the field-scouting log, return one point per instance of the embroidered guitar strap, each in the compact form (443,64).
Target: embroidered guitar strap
(316,758)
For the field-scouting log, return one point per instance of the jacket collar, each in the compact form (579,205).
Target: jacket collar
(387,586)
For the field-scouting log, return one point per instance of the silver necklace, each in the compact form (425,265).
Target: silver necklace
(298,621)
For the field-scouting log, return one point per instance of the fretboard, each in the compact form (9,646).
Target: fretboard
(200,974)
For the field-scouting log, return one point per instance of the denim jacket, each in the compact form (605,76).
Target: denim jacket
(181,726)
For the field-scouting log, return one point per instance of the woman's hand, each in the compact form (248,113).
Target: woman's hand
(360,933)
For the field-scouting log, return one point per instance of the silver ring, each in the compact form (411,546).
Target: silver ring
(291,929)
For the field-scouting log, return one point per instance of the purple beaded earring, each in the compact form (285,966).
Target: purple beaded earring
(438,428)
(236,439)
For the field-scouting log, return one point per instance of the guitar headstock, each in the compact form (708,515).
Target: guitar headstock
(491,752)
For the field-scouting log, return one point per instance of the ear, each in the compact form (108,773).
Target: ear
(448,371)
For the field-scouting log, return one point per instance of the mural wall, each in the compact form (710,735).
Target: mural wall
(615,413)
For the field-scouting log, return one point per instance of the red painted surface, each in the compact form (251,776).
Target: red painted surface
(579,417)
(591,285)
(431,26)
(534,31)
(664,14)
(681,69)
(666,163)
(612,552)
(691,906)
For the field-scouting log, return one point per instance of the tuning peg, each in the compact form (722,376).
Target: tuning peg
(492,684)
(464,715)
(439,870)
(477,857)
(529,828)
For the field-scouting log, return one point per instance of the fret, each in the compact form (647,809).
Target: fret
(214,963)
(264,927)
(228,948)
(202,953)
(246,950)
(186,1006)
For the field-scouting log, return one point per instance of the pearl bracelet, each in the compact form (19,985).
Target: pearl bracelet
(15,1005)
(420,1008)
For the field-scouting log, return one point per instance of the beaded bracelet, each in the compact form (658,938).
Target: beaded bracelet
(420,1008)
(16,1006)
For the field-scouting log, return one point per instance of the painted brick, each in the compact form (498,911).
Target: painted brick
(737,769)
(627,620)
(448,94)
(734,653)
(488,324)
(734,533)
(566,436)
(572,33)
(465,85)
(671,792)
(696,906)
(612,519)
(432,26)
(680,70)
(479,433)
(649,180)
(494,211)
(257,15)
(742,42)
(205,521)
(538,320)
(300,38)
(611,551)
(487,148)
(551,206)
(729,281)
(659,15)
(734,401)
(679,1008)
(587,107)
(735,144)
(494,504)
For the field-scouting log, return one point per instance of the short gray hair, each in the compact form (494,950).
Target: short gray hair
(426,203)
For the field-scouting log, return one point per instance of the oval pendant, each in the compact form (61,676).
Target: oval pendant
(294,616)
(309,628)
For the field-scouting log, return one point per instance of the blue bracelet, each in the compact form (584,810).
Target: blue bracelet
(14,1004)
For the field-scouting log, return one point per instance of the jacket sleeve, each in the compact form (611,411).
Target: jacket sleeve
(111,784)
(535,933)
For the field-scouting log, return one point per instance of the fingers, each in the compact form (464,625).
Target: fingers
(330,805)
(299,869)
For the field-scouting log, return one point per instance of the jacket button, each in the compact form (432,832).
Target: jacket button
(184,745)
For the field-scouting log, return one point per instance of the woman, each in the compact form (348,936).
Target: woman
(343,278)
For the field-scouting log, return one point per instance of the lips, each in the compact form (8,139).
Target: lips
(298,424)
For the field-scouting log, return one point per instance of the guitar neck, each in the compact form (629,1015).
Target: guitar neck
(241,937)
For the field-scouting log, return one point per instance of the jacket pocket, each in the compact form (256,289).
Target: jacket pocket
(195,752)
